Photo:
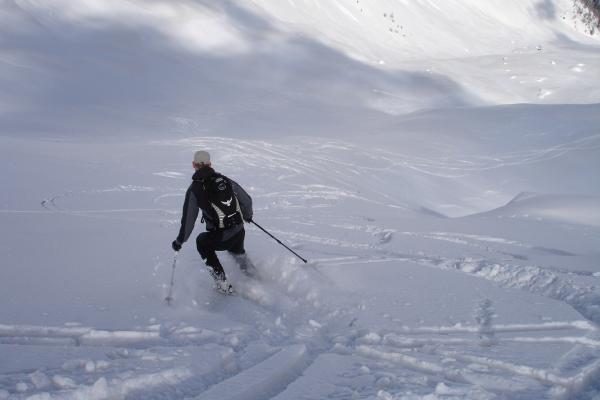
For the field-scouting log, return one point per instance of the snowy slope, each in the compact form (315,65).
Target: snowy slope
(155,68)
(441,178)
(392,31)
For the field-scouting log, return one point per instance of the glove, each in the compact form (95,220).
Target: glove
(248,220)
(176,245)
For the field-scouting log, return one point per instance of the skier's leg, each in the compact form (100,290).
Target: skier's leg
(235,245)
(236,249)
(207,243)
(245,264)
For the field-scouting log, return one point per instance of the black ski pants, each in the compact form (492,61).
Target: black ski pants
(208,243)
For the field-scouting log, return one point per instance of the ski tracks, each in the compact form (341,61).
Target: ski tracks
(189,362)
(504,263)
(449,357)
(142,364)
(251,359)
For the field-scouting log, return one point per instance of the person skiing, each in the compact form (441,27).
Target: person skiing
(225,206)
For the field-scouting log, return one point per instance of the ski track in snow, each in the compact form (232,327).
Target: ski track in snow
(316,332)
(154,346)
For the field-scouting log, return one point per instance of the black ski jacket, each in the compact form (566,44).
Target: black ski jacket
(196,199)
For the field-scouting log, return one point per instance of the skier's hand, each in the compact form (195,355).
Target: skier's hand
(248,220)
(176,245)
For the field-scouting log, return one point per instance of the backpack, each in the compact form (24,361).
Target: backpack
(226,211)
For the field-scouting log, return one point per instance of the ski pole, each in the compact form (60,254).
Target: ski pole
(169,297)
(279,241)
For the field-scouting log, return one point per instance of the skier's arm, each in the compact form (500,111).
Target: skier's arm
(188,217)
(244,199)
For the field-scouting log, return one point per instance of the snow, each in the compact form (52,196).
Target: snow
(258,381)
(436,163)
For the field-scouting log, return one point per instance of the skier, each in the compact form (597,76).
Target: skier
(225,206)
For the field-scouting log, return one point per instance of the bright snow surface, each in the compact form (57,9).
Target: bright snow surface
(436,162)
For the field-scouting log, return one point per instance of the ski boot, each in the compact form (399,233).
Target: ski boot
(221,283)
(224,287)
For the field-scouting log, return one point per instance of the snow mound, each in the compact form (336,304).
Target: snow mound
(584,210)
